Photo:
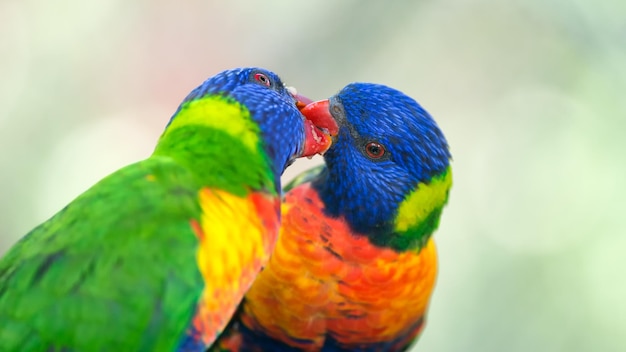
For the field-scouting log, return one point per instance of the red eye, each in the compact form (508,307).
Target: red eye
(261,78)
(375,150)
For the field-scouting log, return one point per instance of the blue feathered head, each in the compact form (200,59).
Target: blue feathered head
(387,151)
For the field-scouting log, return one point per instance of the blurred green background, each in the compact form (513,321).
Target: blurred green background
(532,245)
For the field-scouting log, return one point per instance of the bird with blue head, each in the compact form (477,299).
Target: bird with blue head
(157,255)
(355,264)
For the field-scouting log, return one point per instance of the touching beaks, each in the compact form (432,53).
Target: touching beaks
(319,127)
(319,113)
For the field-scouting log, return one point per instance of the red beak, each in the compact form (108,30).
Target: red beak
(319,125)
(319,113)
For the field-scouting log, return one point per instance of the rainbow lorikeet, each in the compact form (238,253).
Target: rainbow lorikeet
(355,263)
(157,256)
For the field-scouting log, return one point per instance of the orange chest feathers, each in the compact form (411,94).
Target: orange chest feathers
(324,280)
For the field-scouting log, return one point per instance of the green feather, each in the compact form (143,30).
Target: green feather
(116,269)
(101,261)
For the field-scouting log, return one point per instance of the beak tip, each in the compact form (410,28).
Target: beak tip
(301,101)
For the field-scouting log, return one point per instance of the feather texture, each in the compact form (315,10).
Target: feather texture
(355,264)
(156,256)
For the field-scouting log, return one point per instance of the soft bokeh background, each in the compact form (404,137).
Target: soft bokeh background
(529,93)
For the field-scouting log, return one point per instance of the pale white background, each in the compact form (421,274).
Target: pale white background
(529,94)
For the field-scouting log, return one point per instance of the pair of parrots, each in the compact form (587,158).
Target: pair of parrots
(196,249)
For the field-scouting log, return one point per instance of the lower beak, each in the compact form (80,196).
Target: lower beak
(319,126)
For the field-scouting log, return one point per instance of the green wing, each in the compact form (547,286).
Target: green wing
(115,270)
(306,176)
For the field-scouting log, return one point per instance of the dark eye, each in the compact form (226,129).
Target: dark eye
(375,150)
(261,78)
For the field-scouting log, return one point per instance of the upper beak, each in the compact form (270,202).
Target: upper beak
(302,101)
(319,113)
